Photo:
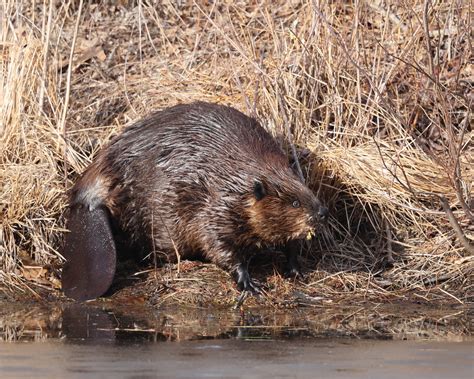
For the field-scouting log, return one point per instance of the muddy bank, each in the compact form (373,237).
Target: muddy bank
(201,302)
(198,284)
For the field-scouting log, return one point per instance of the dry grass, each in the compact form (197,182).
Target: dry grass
(379,94)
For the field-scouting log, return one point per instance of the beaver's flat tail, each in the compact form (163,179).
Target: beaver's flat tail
(90,253)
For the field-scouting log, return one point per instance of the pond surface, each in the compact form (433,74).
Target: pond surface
(240,358)
(100,340)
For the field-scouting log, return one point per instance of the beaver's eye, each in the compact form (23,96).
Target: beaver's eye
(296,204)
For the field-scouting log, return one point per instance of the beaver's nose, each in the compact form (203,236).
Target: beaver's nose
(323,213)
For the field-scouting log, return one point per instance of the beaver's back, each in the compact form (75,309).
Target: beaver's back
(200,138)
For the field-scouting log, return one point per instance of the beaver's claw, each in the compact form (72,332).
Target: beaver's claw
(244,282)
(294,272)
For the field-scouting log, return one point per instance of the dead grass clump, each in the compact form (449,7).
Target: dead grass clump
(31,151)
(375,97)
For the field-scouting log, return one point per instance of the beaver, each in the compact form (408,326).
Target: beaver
(200,180)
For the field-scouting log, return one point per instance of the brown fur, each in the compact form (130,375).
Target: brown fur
(203,179)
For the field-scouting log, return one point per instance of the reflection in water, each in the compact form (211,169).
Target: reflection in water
(106,323)
(102,340)
(88,324)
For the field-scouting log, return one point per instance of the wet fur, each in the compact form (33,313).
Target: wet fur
(203,179)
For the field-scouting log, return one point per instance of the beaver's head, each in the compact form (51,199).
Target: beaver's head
(282,208)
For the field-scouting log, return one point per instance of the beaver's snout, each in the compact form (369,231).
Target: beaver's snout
(323,214)
(320,216)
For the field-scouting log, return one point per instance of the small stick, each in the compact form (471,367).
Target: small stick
(178,255)
(429,48)
(455,225)
(62,123)
(46,56)
(155,261)
(457,168)
(451,295)
(437,279)
(241,299)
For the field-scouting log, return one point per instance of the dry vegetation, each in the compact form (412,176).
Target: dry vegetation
(375,95)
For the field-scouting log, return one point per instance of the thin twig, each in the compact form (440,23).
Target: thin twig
(178,255)
(457,169)
(455,225)
(429,48)
(437,279)
(62,124)
(46,58)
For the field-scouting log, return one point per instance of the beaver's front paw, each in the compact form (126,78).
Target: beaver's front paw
(292,272)
(244,281)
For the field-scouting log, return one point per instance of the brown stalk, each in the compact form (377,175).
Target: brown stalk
(455,225)
(62,122)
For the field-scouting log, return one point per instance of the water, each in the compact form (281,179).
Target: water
(77,341)
(240,358)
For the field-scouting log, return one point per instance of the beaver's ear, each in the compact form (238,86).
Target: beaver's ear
(259,190)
